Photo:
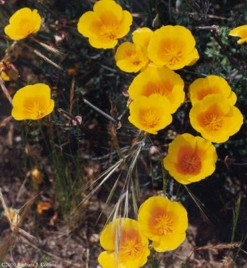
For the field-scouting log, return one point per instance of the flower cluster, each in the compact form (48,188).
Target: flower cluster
(156,93)
(156,54)
(213,113)
(33,101)
(170,46)
(125,241)
(133,57)
(214,116)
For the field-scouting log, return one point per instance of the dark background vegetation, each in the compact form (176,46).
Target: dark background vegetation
(70,154)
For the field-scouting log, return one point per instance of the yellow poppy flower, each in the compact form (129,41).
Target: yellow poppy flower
(133,57)
(32,102)
(125,245)
(173,46)
(211,84)
(241,32)
(190,159)
(105,24)
(164,222)
(160,81)
(130,57)
(150,114)
(23,23)
(215,118)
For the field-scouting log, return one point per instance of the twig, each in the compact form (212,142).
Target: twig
(5,90)
(38,53)
(72,93)
(197,203)
(47,47)
(101,112)
(46,59)
(6,209)
(219,246)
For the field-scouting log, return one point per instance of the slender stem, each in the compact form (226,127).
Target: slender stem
(101,112)
(5,90)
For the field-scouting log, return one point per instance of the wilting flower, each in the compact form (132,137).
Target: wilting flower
(209,85)
(241,32)
(150,114)
(173,46)
(215,118)
(190,159)
(160,81)
(42,206)
(36,175)
(23,23)
(164,222)
(13,215)
(105,24)
(133,57)
(125,245)
(32,102)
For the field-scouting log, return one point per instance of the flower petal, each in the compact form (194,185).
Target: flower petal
(107,259)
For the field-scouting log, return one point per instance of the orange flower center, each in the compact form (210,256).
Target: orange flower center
(34,106)
(134,56)
(136,62)
(111,36)
(163,88)
(212,119)
(109,25)
(130,245)
(189,162)
(206,91)
(171,51)
(108,32)
(149,118)
(161,222)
